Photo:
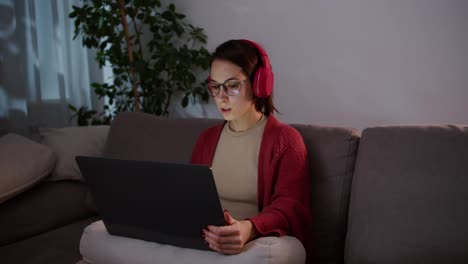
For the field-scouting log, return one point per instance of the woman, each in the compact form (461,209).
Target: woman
(259,164)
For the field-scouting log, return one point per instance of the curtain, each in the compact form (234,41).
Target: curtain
(42,69)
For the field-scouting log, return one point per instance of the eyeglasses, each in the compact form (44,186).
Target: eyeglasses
(231,87)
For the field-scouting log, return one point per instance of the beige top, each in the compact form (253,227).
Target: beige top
(235,169)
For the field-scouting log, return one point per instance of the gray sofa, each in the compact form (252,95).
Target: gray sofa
(391,194)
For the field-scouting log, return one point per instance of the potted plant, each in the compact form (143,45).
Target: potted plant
(154,53)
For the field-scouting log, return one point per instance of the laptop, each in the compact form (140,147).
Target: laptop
(166,203)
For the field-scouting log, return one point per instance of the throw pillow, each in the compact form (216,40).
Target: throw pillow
(23,163)
(69,142)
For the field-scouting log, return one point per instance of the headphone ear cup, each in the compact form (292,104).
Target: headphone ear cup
(263,82)
(263,77)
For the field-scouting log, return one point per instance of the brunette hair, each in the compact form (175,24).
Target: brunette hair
(246,56)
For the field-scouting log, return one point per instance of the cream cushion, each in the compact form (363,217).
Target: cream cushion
(97,246)
(23,163)
(69,142)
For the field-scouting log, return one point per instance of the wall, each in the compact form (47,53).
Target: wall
(354,63)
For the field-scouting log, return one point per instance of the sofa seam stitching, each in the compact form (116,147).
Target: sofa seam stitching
(342,214)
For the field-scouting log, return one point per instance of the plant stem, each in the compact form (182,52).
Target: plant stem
(130,54)
(169,95)
(137,33)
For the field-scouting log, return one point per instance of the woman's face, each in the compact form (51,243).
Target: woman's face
(232,107)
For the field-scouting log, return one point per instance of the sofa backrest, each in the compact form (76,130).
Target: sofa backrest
(141,136)
(332,154)
(409,196)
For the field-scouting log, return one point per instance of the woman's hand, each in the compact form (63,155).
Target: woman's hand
(229,239)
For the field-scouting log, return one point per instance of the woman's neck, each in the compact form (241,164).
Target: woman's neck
(249,120)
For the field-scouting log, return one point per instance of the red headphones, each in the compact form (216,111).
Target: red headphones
(263,78)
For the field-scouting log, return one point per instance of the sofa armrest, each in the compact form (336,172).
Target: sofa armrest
(46,206)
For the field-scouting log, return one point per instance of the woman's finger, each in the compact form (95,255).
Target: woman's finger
(230,230)
(225,248)
(236,239)
(228,218)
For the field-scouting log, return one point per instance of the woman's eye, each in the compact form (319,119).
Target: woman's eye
(233,85)
(214,86)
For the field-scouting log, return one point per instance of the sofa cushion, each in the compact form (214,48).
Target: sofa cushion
(46,206)
(141,136)
(409,195)
(98,246)
(69,142)
(332,153)
(23,163)
(60,245)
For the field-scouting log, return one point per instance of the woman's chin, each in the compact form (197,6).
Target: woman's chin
(227,117)
(227,114)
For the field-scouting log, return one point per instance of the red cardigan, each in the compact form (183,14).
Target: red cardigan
(283,179)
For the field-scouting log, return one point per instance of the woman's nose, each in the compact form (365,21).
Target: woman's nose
(222,94)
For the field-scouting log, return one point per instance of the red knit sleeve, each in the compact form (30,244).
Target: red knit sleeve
(197,152)
(286,209)
(206,145)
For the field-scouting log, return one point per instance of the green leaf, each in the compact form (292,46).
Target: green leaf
(205,96)
(72,108)
(140,16)
(185,101)
(172,7)
(167,15)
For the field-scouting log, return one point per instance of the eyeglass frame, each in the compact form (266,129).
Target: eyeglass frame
(225,88)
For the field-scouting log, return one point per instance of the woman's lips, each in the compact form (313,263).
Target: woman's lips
(225,110)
